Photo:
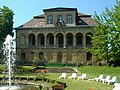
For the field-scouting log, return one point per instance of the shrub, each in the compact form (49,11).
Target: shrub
(40,87)
(34,78)
(27,78)
(58,64)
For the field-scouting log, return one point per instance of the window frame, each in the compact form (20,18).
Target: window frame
(59,18)
(69,19)
(50,19)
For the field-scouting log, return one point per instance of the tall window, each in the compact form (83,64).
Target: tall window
(88,39)
(31,55)
(59,18)
(23,56)
(89,56)
(50,19)
(22,40)
(32,40)
(69,19)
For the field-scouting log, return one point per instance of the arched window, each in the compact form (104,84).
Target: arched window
(32,40)
(89,56)
(50,39)
(59,57)
(69,19)
(50,19)
(60,39)
(69,37)
(22,40)
(88,39)
(41,56)
(40,39)
(79,39)
(49,56)
(31,55)
(23,56)
(69,56)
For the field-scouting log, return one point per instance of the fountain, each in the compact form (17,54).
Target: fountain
(9,53)
(9,49)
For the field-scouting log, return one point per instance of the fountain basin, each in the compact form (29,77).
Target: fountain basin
(18,86)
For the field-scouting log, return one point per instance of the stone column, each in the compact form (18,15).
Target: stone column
(35,40)
(84,40)
(64,41)
(74,41)
(27,42)
(45,41)
(54,41)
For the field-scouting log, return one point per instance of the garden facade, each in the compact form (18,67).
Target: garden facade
(57,36)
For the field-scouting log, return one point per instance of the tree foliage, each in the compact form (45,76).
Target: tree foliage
(6,23)
(106,40)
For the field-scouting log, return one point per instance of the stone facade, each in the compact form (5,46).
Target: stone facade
(57,36)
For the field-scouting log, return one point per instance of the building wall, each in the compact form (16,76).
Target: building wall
(64,54)
(64,15)
(61,43)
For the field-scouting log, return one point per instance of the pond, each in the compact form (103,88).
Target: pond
(19,87)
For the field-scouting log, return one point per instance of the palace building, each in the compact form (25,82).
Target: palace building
(57,36)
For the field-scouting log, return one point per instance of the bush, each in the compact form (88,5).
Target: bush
(34,78)
(24,62)
(40,87)
(58,64)
(27,78)
(22,68)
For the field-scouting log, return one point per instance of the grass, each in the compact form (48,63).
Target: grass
(74,84)
(91,71)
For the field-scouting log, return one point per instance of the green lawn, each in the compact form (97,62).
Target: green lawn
(74,84)
(91,72)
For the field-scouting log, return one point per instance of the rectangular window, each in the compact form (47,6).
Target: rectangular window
(59,18)
(69,19)
(50,19)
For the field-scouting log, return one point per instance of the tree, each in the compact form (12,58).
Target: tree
(6,23)
(106,40)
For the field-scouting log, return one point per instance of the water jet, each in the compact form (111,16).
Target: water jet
(9,54)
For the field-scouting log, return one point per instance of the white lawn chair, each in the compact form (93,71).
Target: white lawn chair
(63,75)
(98,78)
(113,80)
(83,76)
(116,86)
(73,76)
(106,79)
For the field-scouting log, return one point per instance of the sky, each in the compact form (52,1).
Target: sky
(24,10)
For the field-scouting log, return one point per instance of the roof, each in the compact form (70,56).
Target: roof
(34,23)
(39,20)
(39,16)
(86,21)
(83,15)
(59,9)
